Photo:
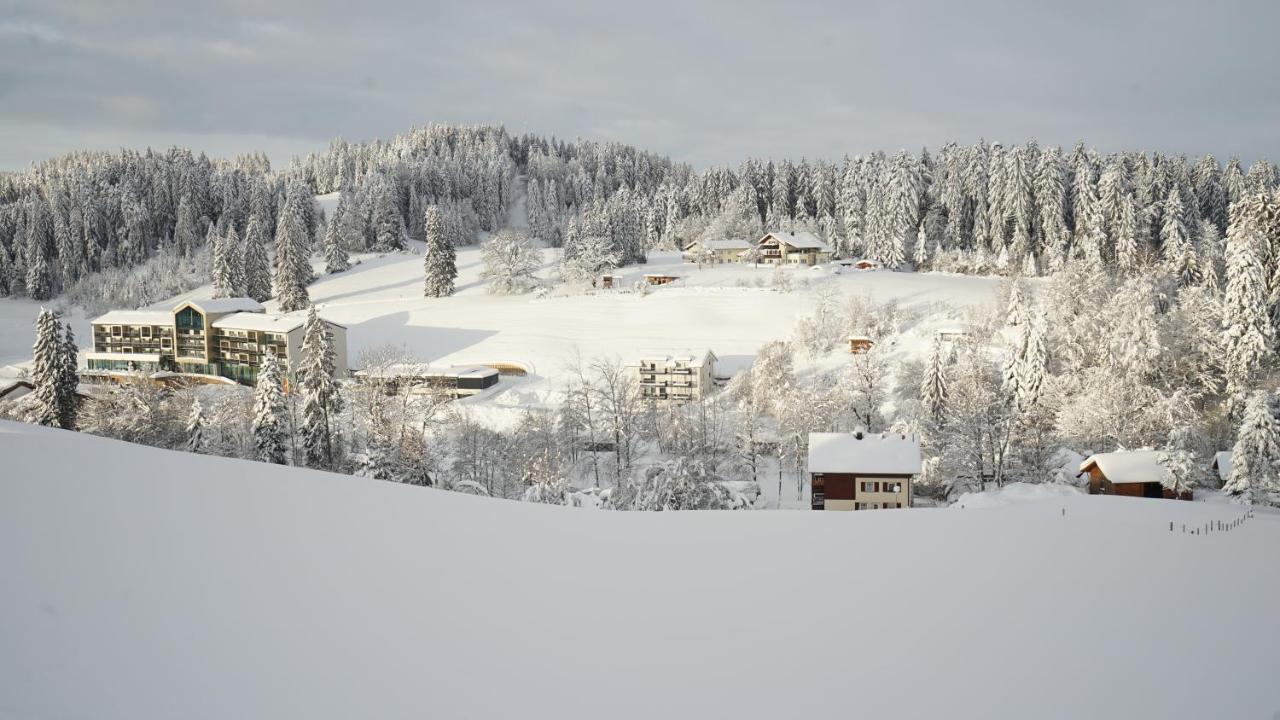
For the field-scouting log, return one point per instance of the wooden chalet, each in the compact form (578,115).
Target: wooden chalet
(1131,473)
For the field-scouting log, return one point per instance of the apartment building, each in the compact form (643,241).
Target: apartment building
(862,471)
(225,337)
(680,376)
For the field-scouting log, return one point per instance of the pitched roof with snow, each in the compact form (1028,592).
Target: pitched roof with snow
(1127,466)
(134,317)
(872,454)
(803,240)
(719,244)
(1222,463)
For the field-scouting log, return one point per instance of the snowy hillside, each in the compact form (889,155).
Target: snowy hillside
(141,583)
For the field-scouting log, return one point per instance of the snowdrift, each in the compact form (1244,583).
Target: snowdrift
(140,583)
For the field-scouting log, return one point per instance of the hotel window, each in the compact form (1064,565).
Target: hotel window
(116,331)
(146,331)
(870,487)
(166,343)
(893,487)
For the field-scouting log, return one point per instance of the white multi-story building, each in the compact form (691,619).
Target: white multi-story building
(226,337)
(681,375)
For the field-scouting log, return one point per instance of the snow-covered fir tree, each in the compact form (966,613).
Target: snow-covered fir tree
(293,268)
(47,369)
(68,379)
(440,263)
(336,259)
(933,386)
(196,441)
(1178,460)
(256,267)
(1247,328)
(1255,459)
(270,424)
(321,397)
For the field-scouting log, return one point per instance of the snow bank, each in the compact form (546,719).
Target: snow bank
(1015,494)
(140,583)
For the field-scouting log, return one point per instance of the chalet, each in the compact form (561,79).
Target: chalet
(714,252)
(951,334)
(679,376)
(1132,473)
(859,344)
(606,281)
(862,471)
(660,278)
(800,248)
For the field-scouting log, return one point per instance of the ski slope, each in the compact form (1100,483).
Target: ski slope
(140,583)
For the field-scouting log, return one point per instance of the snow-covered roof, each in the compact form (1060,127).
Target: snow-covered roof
(422,370)
(1222,463)
(803,240)
(872,454)
(262,322)
(135,317)
(868,338)
(14,389)
(1127,466)
(719,244)
(224,305)
(692,358)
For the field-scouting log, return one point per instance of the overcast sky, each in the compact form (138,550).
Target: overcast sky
(707,83)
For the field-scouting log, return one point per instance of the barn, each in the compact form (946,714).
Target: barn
(1131,473)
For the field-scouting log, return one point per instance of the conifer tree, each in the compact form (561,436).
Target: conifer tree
(388,228)
(1126,235)
(293,271)
(195,428)
(68,380)
(1247,330)
(1255,459)
(1176,247)
(47,369)
(256,268)
(222,272)
(440,263)
(320,396)
(933,387)
(336,259)
(269,423)
(39,283)
(186,232)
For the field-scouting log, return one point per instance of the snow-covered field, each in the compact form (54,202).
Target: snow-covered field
(380,301)
(140,583)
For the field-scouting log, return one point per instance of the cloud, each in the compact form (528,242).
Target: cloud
(707,82)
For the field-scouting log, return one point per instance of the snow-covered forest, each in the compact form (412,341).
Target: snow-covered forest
(1138,306)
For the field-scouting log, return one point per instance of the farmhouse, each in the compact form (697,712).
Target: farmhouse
(801,248)
(1132,473)
(675,376)
(862,471)
(715,251)
(223,337)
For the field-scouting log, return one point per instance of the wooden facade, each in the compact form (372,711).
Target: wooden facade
(859,344)
(1100,485)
